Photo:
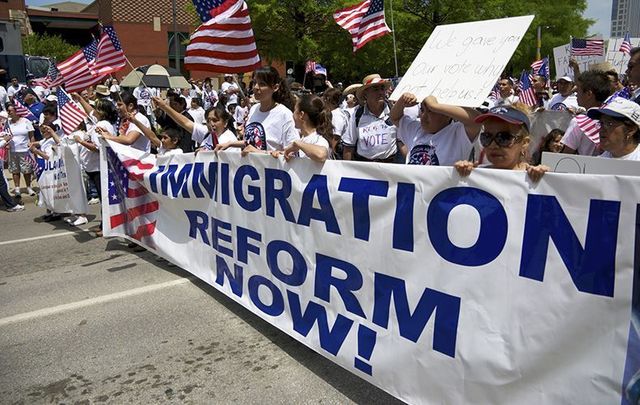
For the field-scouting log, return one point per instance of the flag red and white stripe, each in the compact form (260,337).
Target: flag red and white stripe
(527,93)
(71,115)
(109,56)
(590,127)
(625,47)
(225,43)
(587,47)
(75,70)
(310,66)
(364,21)
(131,209)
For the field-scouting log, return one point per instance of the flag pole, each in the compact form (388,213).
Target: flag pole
(393,33)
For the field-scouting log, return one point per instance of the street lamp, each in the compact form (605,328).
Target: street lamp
(539,30)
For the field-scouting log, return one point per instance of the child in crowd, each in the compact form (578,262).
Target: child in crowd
(44,149)
(168,142)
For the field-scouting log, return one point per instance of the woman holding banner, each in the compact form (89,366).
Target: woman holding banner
(619,129)
(505,139)
(270,123)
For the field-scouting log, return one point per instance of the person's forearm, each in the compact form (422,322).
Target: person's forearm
(313,152)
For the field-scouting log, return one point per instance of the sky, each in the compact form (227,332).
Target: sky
(599,10)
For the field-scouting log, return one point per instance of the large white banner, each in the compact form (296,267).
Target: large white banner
(60,180)
(561,56)
(460,63)
(618,59)
(438,289)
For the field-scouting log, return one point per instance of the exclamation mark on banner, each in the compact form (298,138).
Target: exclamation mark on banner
(366,343)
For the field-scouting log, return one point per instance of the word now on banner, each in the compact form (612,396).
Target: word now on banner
(436,288)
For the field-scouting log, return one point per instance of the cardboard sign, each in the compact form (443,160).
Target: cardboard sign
(561,56)
(460,63)
(564,163)
(618,59)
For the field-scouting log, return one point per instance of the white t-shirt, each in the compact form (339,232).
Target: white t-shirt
(143,95)
(443,148)
(4,98)
(201,136)
(20,130)
(561,103)
(168,152)
(635,155)
(89,159)
(270,130)
(577,140)
(210,98)
(197,114)
(240,114)
(315,139)
(340,122)
(505,101)
(374,137)
(231,98)
(142,143)
(11,91)
(46,146)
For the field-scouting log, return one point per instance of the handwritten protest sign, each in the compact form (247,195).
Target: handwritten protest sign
(486,289)
(460,63)
(561,56)
(60,180)
(563,163)
(618,59)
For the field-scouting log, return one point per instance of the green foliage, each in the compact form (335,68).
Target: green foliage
(51,46)
(304,29)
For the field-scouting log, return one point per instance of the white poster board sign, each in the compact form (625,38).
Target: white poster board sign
(564,163)
(460,63)
(618,59)
(561,56)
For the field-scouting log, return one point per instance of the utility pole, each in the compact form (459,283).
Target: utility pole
(176,40)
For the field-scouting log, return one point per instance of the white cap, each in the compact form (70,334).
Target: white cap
(618,108)
(52,97)
(565,78)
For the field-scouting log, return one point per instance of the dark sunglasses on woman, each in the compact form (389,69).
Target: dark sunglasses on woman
(503,139)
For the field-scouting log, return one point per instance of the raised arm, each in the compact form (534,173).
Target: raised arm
(465,116)
(146,131)
(85,105)
(397,111)
(180,119)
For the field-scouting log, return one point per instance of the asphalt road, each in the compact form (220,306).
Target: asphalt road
(86,320)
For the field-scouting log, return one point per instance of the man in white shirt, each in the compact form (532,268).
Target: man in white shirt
(4,98)
(231,90)
(633,73)
(565,99)
(507,96)
(14,87)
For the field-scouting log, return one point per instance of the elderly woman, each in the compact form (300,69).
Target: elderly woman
(505,139)
(619,129)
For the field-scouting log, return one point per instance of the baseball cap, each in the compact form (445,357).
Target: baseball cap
(505,113)
(565,78)
(618,108)
(51,97)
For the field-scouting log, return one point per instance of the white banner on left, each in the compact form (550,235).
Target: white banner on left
(60,180)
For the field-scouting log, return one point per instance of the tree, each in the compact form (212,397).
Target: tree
(305,29)
(51,46)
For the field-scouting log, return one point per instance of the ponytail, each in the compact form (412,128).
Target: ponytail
(318,113)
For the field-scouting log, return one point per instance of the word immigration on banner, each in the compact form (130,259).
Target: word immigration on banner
(460,63)
(438,289)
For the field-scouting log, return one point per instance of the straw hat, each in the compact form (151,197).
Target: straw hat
(371,80)
(102,90)
(351,89)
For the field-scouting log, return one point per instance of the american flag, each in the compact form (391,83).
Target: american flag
(527,93)
(23,111)
(364,21)
(590,127)
(224,43)
(625,47)
(320,70)
(310,66)
(70,114)
(132,209)
(75,70)
(495,91)
(587,47)
(541,67)
(53,78)
(109,56)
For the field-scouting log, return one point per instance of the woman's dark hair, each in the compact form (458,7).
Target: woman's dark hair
(222,114)
(270,76)
(548,139)
(51,110)
(128,98)
(319,116)
(332,98)
(197,100)
(107,110)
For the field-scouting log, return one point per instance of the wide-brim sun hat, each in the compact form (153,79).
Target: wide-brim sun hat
(372,80)
(507,114)
(102,90)
(351,89)
(620,108)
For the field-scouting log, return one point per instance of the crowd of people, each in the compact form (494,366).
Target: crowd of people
(358,122)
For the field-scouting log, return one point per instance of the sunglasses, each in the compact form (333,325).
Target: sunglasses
(503,139)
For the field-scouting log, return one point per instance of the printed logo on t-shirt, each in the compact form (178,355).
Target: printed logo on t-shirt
(145,95)
(423,155)
(254,133)
(559,107)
